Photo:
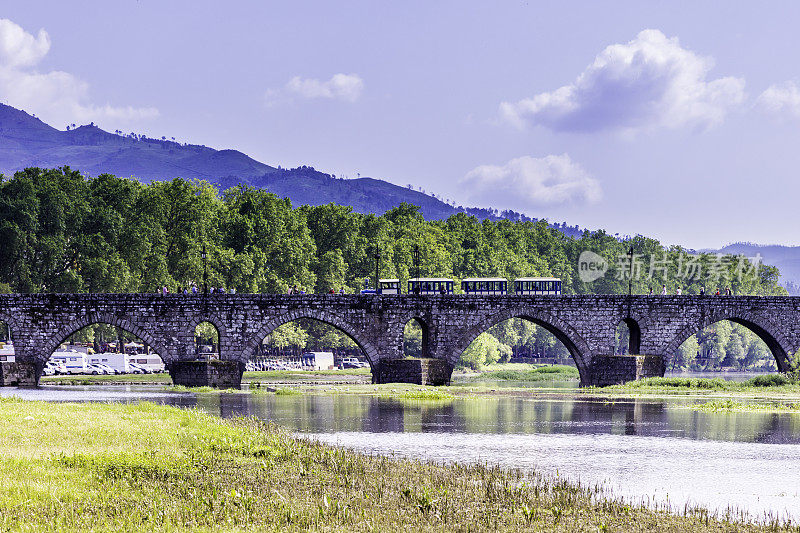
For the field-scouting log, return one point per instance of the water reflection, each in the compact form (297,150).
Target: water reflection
(639,447)
(332,413)
(513,415)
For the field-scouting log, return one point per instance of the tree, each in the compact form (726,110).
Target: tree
(484,350)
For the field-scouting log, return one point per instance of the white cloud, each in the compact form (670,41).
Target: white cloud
(781,100)
(647,83)
(57,97)
(20,48)
(527,182)
(344,87)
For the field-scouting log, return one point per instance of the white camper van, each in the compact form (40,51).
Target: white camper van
(150,362)
(6,352)
(73,360)
(317,360)
(117,361)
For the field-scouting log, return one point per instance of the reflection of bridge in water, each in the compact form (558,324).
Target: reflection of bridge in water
(506,415)
(586,325)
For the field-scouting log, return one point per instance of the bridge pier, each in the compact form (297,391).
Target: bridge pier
(416,371)
(215,373)
(20,374)
(617,369)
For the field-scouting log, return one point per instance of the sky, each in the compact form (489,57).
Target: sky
(675,120)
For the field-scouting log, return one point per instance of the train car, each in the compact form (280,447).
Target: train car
(430,286)
(389,286)
(537,286)
(475,286)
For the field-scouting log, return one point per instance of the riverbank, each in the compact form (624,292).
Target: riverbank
(764,387)
(520,372)
(354,375)
(502,380)
(142,466)
(497,372)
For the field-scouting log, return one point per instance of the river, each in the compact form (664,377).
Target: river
(651,450)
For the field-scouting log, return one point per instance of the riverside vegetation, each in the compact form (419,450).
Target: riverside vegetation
(63,232)
(775,388)
(141,466)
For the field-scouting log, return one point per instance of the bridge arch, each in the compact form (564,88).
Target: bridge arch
(397,331)
(9,321)
(368,348)
(763,328)
(224,341)
(634,340)
(422,324)
(566,334)
(101,318)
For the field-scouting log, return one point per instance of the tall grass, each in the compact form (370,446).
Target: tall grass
(113,467)
(778,381)
(542,373)
(427,394)
(729,405)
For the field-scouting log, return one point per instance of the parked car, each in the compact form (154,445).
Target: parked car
(352,362)
(55,367)
(95,369)
(106,368)
(135,368)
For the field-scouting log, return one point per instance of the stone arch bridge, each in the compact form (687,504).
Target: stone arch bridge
(586,324)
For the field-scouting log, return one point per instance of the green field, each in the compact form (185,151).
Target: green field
(80,379)
(112,467)
(523,372)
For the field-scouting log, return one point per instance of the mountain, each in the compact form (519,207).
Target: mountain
(786,258)
(26,141)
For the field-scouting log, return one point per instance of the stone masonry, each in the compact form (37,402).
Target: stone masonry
(585,324)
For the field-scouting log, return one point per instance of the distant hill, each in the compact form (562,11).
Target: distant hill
(26,141)
(786,258)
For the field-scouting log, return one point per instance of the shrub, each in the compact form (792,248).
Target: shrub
(769,380)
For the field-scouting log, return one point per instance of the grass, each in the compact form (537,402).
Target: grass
(421,394)
(115,467)
(125,379)
(774,384)
(200,390)
(525,372)
(287,392)
(732,406)
(305,374)
(280,375)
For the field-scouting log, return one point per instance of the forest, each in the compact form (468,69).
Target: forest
(61,231)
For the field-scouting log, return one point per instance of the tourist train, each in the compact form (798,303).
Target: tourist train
(474,286)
